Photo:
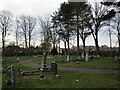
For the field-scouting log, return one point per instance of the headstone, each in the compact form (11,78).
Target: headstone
(82,54)
(11,75)
(98,56)
(54,68)
(68,58)
(79,58)
(78,62)
(44,67)
(86,58)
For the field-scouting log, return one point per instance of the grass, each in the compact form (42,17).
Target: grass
(13,59)
(101,63)
(67,80)
(16,58)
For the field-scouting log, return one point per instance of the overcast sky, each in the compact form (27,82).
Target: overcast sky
(44,8)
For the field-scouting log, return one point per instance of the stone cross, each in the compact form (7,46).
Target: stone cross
(44,67)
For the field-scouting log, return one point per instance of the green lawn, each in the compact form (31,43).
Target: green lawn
(15,61)
(16,58)
(101,63)
(67,80)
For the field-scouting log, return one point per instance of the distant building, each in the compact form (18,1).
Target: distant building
(12,49)
(104,48)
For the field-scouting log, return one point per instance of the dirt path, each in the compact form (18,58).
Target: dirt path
(29,62)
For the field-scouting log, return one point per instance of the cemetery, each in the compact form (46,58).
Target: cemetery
(65,49)
(48,72)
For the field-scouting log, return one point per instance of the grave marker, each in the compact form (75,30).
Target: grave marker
(54,68)
(11,74)
(86,58)
(44,67)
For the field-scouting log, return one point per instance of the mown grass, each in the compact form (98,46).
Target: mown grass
(16,58)
(100,63)
(13,59)
(67,80)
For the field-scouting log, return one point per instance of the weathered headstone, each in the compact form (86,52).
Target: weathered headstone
(82,54)
(86,58)
(79,58)
(11,75)
(54,68)
(68,57)
(78,62)
(98,56)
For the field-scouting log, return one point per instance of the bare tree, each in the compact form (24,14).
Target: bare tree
(116,27)
(27,24)
(24,26)
(31,26)
(45,25)
(17,32)
(5,25)
(99,16)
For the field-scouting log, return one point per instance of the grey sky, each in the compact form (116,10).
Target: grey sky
(43,8)
(31,7)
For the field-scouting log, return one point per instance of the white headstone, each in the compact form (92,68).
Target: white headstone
(68,58)
(82,54)
(86,58)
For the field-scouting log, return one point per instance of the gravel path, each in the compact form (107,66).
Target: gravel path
(29,62)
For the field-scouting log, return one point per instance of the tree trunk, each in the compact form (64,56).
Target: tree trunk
(78,48)
(110,43)
(59,48)
(97,46)
(65,47)
(118,43)
(68,52)
(3,45)
(53,45)
(29,50)
(95,36)
(29,41)
(26,42)
(83,45)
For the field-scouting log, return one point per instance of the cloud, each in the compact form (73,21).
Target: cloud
(30,7)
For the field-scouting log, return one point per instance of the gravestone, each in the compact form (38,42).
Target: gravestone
(79,58)
(82,54)
(86,57)
(44,67)
(68,58)
(11,75)
(54,68)
(98,56)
